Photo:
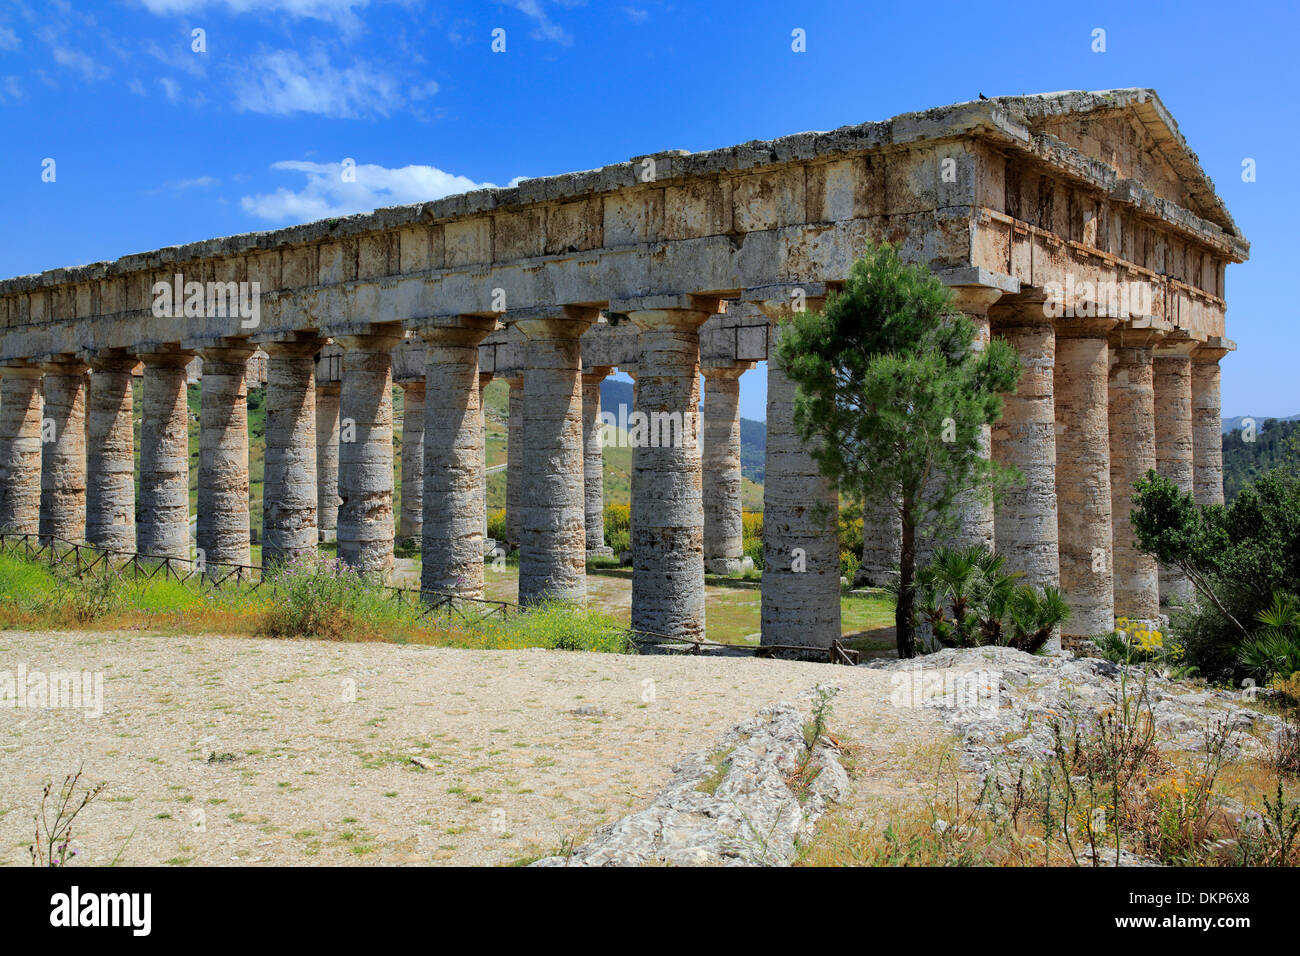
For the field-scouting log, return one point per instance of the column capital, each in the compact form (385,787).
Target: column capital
(1026,310)
(158,357)
(668,311)
(292,345)
(62,365)
(1084,327)
(975,299)
(371,337)
(108,360)
(1213,349)
(20,369)
(410,383)
(780,301)
(552,321)
(484,378)
(223,349)
(727,370)
(595,374)
(456,329)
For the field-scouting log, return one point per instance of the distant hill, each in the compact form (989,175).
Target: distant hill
(1234,423)
(1277,442)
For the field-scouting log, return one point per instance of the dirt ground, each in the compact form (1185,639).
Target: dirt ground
(251,751)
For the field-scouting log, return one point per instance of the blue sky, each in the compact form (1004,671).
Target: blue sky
(155,144)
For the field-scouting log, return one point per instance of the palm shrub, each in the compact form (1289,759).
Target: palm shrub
(969,601)
(1273,651)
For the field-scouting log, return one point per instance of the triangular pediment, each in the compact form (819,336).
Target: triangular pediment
(1132,132)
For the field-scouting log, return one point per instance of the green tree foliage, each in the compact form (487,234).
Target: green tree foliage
(892,397)
(1276,444)
(1238,557)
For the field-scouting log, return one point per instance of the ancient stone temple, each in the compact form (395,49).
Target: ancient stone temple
(1079,226)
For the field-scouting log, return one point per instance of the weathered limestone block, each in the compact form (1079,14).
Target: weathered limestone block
(1025,519)
(514,460)
(163,515)
(327,459)
(553,541)
(667,505)
(723,522)
(1083,474)
(1174,447)
(1132,455)
(411,522)
(223,506)
(1207,426)
(63,452)
(365,522)
(452,534)
(593,462)
(289,496)
(110,455)
(20,449)
(801,555)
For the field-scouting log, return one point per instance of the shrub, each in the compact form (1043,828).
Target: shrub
(497,524)
(849,562)
(320,597)
(560,627)
(1274,650)
(618,527)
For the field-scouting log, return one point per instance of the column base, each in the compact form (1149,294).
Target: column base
(722,566)
(601,552)
(328,535)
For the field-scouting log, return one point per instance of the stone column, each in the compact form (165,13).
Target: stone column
(1132,455)
(327,459)
(484,380)
(365,522)
(1025,519)
(882,545)
(514,460)
(411,522)
(451,552)
(723,525)
(667,498)
(223,506)
(1174,456)
(801,553)
(63,452)
(1207,426)
(289,494)
(553,540)
(1083,474)
(975,508)
(20,449)
(163,513)
(110,455)
(593,462)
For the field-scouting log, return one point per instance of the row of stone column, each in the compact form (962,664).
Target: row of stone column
(1098,405)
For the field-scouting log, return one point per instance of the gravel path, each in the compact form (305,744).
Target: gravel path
(239,750)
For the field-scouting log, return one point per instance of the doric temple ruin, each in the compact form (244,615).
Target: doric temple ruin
(1079,226)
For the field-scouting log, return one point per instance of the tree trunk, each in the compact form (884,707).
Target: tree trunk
(906,589)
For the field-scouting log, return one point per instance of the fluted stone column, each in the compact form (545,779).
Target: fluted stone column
(110,455)
(1174,456)
(484,380)
(289,484)
(1132,455)
(1207,426)
(553,540)
(411,522)
(1025,519)
(163,512)
(451,551)
(801,554)
(975,508)
(1083,474)
(882,544)
(667,496)
(20,449)
(327,459)
(514,460)
(223,506)
(63,452)
(723,523)
(365,522)
(593,463)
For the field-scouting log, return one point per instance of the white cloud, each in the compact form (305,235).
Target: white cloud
(283,82)
(10,89)
(636,14)
(545,28)
(327,195)
(332,11)
(81,62)
(8,39)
